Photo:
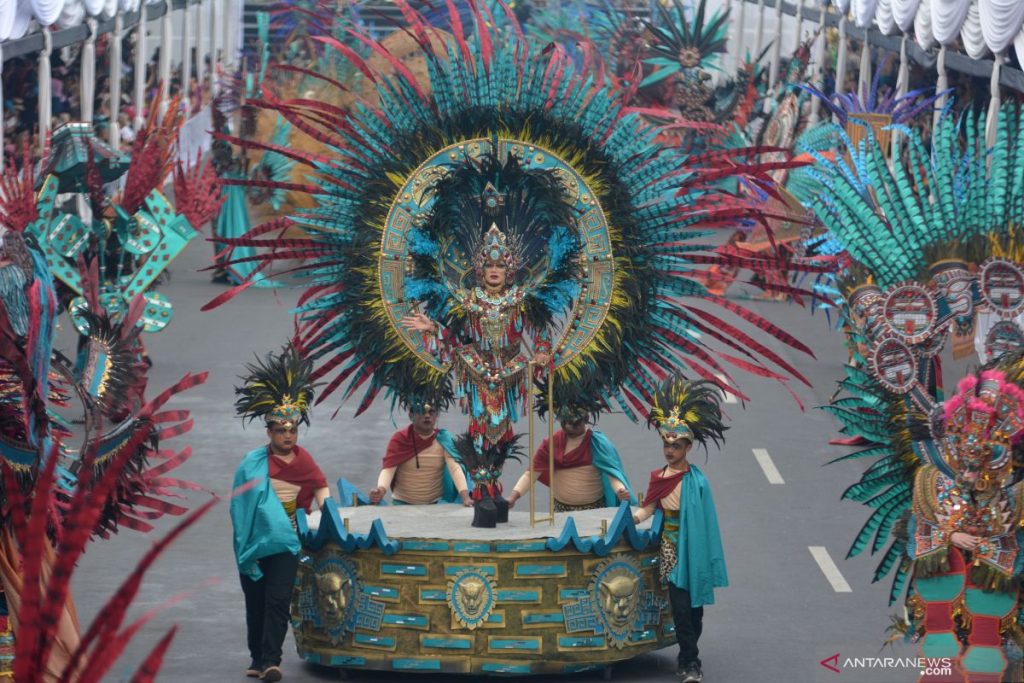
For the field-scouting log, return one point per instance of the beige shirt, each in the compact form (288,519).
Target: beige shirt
(422,485)
(573,485)
(669,502)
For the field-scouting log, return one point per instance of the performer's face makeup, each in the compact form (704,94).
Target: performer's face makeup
(574,428)
(675,452)
(495,275)
(424,422)
(283,439)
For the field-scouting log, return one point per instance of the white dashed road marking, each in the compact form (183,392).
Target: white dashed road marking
(829,569)
(770,471)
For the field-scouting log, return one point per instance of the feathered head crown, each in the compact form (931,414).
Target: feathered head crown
(685,409)
(494,248)
(425,399)
(277,388)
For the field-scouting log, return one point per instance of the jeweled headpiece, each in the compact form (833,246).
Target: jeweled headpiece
(494,248)
(685,409)
(277,389)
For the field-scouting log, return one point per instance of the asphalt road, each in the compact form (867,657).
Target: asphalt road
(779,617)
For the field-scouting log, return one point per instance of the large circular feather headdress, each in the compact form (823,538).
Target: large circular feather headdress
(615,251)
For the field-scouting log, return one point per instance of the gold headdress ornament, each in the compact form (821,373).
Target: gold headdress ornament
(685,409)
(277,389)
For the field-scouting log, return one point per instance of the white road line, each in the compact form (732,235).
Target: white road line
(829,569)
(726,396)
(770,470)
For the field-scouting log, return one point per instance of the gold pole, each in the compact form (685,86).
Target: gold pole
(551,444)
(529,407)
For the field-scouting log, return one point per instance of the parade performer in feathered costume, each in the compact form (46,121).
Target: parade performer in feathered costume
(273,484)
(692,562)
(420,465)
(112,466)
(588,470)
(932,247)
(516,212)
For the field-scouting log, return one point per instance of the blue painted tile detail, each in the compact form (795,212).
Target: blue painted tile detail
(584,641)
(571,594)
(641,636)
(514,644)
(403,569)
(522,547)
(428,546)
(556,569)
(375,641)
(668,629)
(454,569)
(472,547)
(495,668)
(524,595)
(417,620)
(576,668)
(416,664)
(496,619)
(447,643)
(381,592)
(433,595)
(552,618)
(345,661)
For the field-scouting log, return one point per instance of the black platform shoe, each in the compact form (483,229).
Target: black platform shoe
(485,513)
(502,507)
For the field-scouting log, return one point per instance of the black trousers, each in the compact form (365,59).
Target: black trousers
(267,605)
(689,622)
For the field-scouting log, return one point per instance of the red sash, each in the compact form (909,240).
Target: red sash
(659,487)
(577,457)
(302,471)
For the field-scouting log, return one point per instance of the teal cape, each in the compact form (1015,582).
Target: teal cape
(232,222)
(261,525)
(700,567)
(449,494)
(606,459)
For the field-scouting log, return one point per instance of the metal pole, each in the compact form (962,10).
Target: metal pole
(529,406)
(773,72)
(941,83)
(759,33)
(215,35)
(819,65)
(186,57)
(551,444)
(841,57)
(45,95)
(864,80)
(200,47)
(88,72)
(992,122)
(115,80)
(166,48)
(741,31)
(140,69)
(902,78)
(799,21)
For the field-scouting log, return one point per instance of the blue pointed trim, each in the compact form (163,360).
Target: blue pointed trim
(332,529)
(622,525)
